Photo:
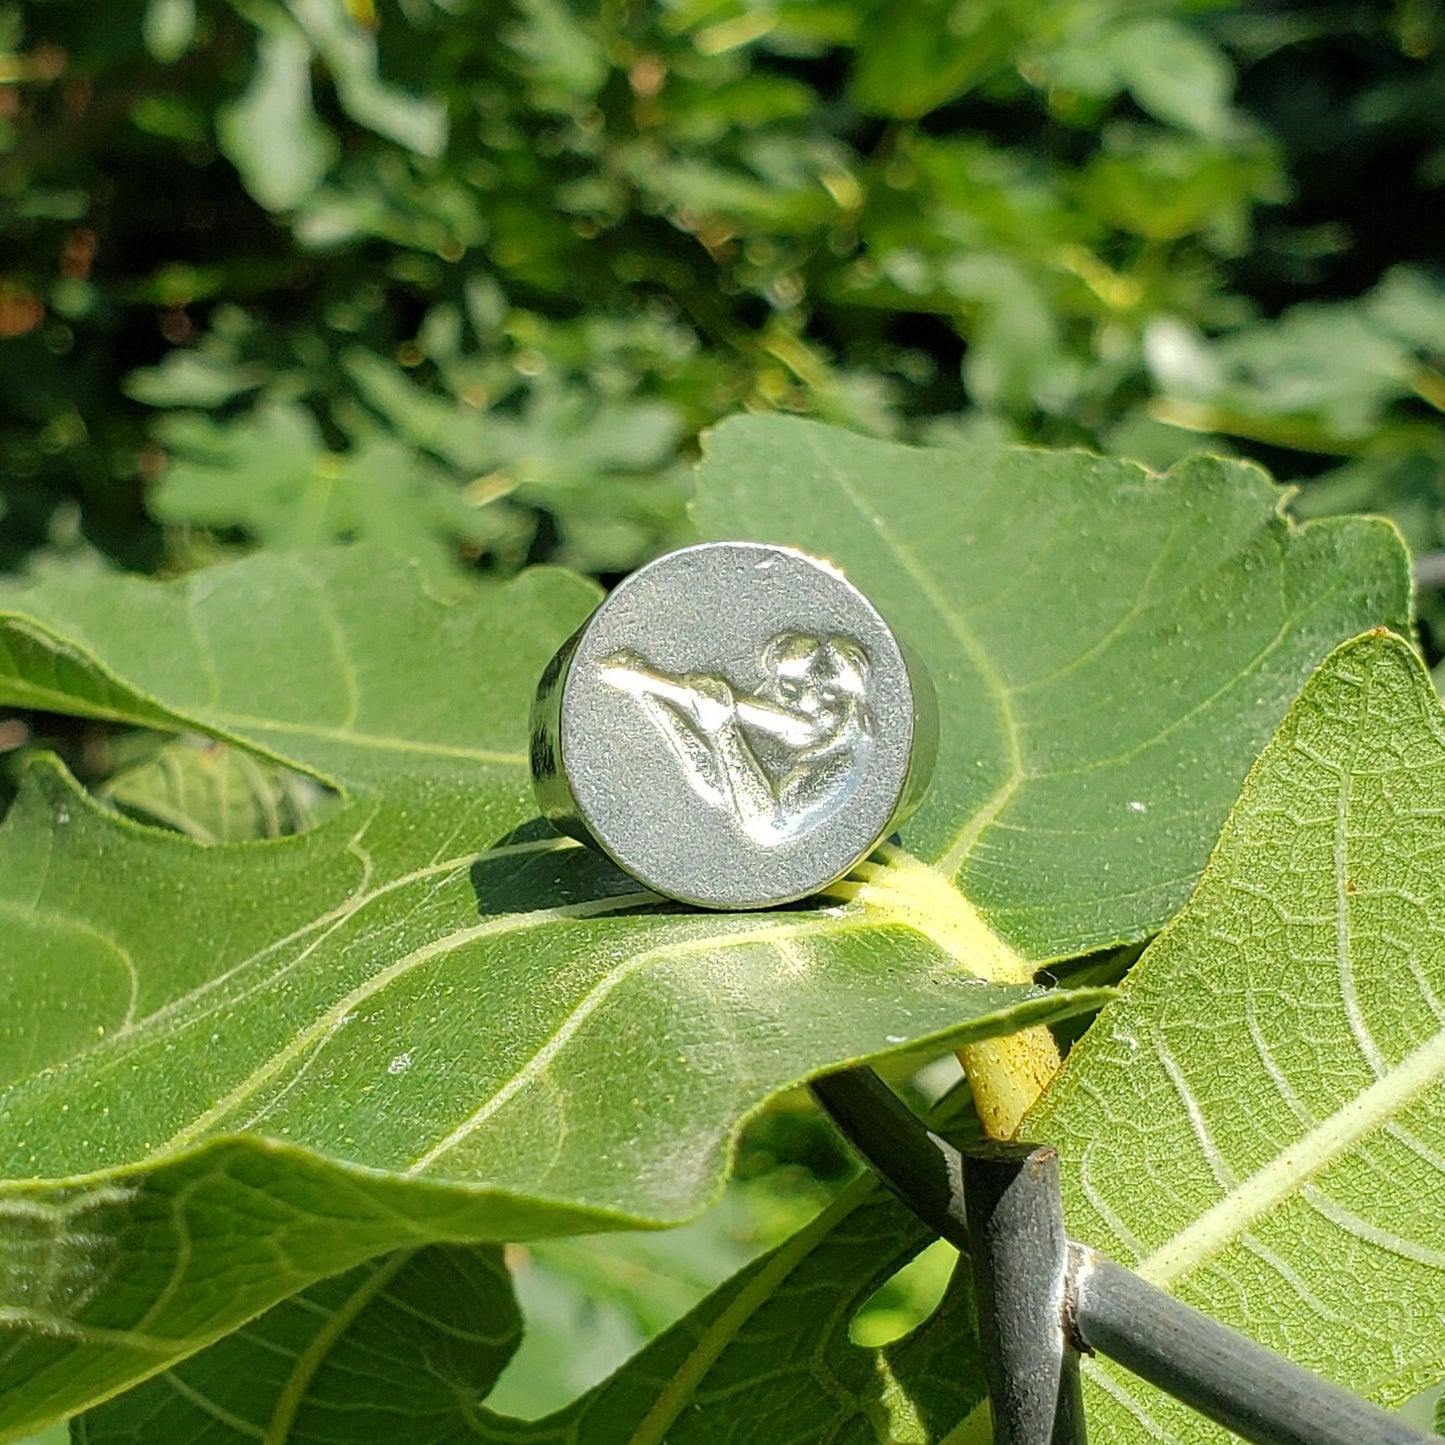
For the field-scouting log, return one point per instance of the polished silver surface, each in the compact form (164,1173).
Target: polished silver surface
(736,726)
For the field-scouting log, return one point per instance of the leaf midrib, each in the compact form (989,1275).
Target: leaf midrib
(311,1359)
(682,1385)
(380,742)
(771,934)
(320,1030)
(222,723)
(964,840)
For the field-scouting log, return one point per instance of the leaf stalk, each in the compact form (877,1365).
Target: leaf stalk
(1007,1074)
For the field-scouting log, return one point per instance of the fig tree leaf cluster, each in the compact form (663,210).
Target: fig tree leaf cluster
(270,1103)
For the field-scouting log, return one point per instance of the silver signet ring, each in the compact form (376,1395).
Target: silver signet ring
(735,726)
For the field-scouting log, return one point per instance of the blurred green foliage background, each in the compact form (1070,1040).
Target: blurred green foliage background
(467,278)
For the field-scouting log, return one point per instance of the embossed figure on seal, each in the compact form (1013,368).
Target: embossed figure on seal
(781,760)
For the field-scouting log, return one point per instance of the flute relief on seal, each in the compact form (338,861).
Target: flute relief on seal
(780,760)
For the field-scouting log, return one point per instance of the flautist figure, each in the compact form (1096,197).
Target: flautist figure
(778,761)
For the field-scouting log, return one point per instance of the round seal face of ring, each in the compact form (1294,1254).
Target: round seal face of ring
(736,725)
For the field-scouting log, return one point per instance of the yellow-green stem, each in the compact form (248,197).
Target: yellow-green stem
(1007,1074)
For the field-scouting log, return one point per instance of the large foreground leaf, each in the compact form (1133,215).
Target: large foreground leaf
(426,1334)
(1259,1124)
(1111,648)
(456,1027)
(386,991)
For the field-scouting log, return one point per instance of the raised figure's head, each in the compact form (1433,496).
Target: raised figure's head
(823,678)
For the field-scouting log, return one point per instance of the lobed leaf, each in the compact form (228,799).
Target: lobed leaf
(1111,648)
(233,1069)
(1259,1124)
(770,1345)
(414,987)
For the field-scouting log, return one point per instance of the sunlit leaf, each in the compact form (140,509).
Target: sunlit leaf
(1111,648)
(448,1024)
(414,989)
(1259,1124)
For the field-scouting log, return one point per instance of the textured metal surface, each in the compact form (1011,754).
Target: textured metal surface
(1020,1257)
(736,726)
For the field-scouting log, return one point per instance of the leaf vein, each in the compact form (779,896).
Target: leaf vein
(320,1032)
(314,1355)
(208,1406)
(956,854)
(1272,1185)
(352,738)
(536,1067)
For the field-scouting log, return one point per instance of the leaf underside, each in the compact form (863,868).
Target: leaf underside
(1259,1123)
(423,1335)
(415,1336)
(427,1019)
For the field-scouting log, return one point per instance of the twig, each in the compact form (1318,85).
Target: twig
(1108,1310)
